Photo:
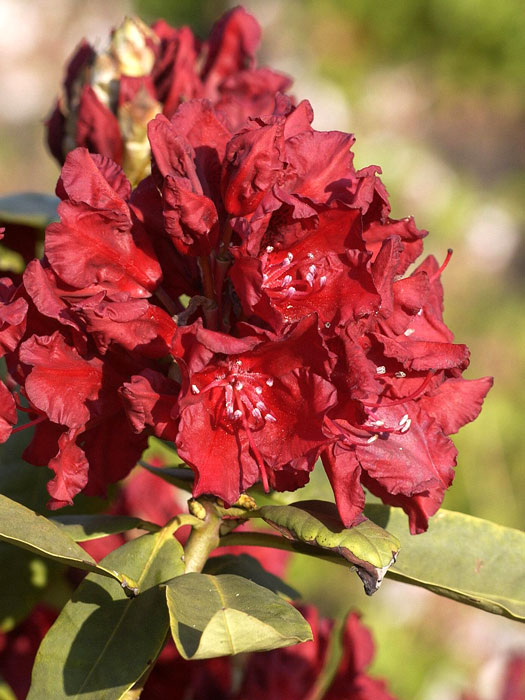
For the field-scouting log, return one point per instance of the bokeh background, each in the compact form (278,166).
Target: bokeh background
(434,92)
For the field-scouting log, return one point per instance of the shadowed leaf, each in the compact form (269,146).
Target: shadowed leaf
(180,477)
(31,208)
(82,528)
(102,642)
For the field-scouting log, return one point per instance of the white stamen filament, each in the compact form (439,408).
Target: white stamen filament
(372,439)
(406,426)
(195,389)
(400,375)
(228,399)
(270,418)
(258,390)
(408,331)
(269,381)
(381,369)
(404,419)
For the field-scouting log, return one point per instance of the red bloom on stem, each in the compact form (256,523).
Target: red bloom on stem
(254,410)
(8,416)
(109,96)
(98,242)
(84,415)
(248,301)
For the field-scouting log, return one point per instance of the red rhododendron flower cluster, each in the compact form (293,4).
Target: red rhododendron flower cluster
(250,302)
(109,97)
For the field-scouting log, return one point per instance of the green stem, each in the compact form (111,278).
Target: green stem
(202,541)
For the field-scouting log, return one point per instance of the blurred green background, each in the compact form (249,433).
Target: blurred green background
(434,92)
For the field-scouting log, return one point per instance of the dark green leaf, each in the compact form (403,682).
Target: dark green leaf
(89,527)
(102,642)
(366,546)
(462,557)
(25,528)
(248,567)
(181,477)
(19,480)
(31,208)
(222,615)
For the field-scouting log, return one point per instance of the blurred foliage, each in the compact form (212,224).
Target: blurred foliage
(198,14)
(468,43)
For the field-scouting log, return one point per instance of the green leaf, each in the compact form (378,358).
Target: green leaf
(248,567)
(19,480)
(25,528)
(462,557)
(223,615)
(369,548)
(181,477)
(102,642)
(31,208)
(82,528)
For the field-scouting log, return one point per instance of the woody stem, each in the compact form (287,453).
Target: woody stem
(207,278)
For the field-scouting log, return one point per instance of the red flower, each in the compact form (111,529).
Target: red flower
(110,96)
(322,272)
(13,311)
(8,416)
(98,241)
(84,414)
(254,409)
(247,302)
